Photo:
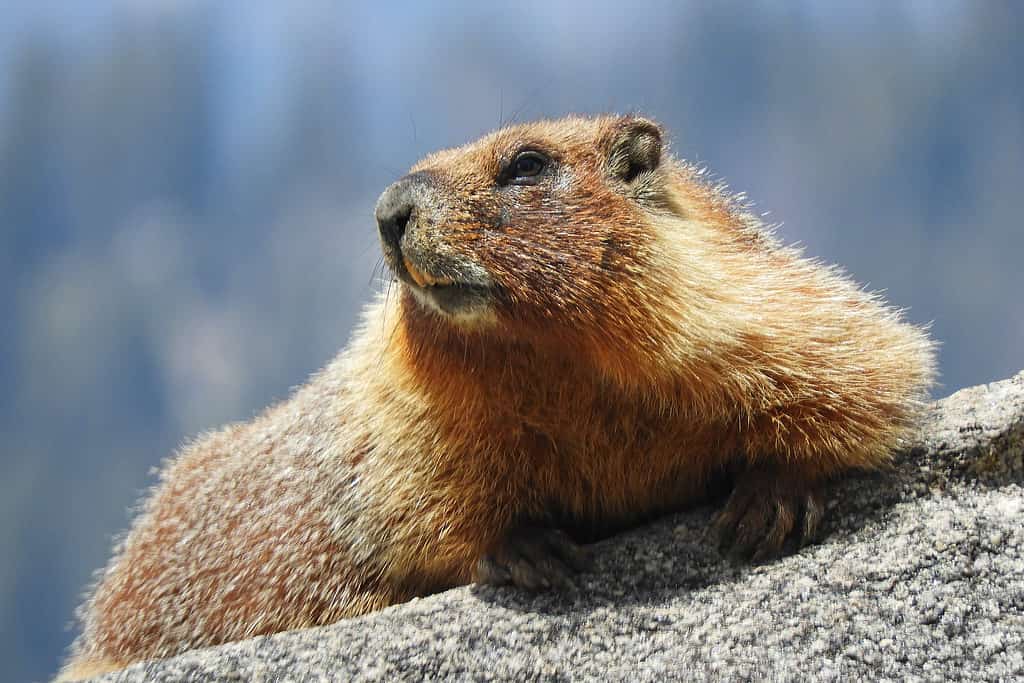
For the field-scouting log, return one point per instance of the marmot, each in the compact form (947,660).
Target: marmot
(585,332)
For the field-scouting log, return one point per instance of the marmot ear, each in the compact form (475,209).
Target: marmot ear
(635,148)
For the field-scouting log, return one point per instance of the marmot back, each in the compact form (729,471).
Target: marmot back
(584,333)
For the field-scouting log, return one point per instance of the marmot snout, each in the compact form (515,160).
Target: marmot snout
(411,220)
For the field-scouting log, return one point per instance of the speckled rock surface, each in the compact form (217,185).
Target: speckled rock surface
(920,577)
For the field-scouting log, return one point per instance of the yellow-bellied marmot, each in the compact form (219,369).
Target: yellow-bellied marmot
(584,333)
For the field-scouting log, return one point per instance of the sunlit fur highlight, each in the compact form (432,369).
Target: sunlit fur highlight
(644,335)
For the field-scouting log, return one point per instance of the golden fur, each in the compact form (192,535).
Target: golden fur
(647,333)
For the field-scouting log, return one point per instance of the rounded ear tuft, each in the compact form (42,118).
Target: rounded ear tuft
(635,148)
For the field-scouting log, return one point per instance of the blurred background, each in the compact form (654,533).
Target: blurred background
(186,195)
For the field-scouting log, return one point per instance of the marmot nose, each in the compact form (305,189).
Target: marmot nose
(392,219)
(395,207)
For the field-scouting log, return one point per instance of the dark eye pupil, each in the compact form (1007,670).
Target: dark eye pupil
(528,165)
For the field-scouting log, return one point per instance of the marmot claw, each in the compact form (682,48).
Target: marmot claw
(535,558)
(768,513)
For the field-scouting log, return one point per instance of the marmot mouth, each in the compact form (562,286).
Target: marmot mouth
(444,293)
(425,279)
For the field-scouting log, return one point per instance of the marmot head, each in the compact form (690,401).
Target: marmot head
(531,227)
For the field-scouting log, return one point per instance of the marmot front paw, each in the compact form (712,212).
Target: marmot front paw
(534,558)
(768,512)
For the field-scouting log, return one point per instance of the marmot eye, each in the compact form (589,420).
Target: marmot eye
(528,164)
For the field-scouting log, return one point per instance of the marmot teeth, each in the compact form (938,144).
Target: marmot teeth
(425,279)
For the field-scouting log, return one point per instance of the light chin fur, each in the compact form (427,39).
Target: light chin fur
(475,315)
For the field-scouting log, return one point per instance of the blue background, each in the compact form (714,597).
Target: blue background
(186,193)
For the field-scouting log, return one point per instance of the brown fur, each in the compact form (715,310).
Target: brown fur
(645,333)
